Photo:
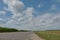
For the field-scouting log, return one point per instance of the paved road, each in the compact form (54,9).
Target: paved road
(19,36)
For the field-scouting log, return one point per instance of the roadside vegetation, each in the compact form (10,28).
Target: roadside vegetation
(2,29)
(24,31)
(49,35)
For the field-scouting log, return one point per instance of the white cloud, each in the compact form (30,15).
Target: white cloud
(53,7)
(28,12)
(1,19)
(58,0)
(2,22)
(2,12)
(14,5)
(24,19)
(48,20)
(40,5)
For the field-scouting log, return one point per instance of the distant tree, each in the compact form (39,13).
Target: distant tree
(8,29)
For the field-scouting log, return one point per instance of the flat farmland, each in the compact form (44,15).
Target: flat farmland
(49,35)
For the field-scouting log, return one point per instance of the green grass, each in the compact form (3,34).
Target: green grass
(49,35)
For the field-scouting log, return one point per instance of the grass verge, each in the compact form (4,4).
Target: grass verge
(49,35)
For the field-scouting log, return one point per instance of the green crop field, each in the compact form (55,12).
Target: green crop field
(49,35)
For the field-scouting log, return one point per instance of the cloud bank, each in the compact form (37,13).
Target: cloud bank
(24,19)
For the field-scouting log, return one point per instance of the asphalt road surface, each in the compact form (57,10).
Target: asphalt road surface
(19,36)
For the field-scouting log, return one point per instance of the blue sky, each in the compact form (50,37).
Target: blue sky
(30,14)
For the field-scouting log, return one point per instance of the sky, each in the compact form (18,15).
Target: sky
(30,14)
